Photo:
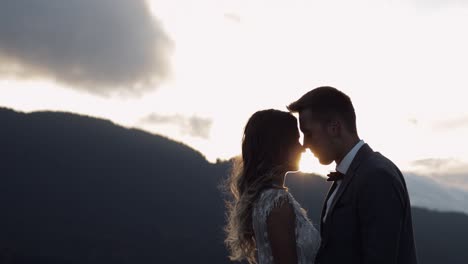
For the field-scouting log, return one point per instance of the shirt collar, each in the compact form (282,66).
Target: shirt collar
(343,166)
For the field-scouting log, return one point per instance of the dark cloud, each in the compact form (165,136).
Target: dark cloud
(100,46)
(193,126)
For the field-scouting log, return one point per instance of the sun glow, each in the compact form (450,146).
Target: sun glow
(310,164)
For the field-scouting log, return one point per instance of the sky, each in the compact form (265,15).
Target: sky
(195,71)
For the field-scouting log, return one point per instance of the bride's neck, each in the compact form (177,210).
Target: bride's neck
(279,179)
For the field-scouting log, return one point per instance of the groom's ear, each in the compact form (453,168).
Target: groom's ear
(334,128)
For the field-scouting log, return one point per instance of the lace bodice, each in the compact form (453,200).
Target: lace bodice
(307,236)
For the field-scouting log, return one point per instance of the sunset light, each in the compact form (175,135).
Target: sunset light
(122,124)
(310,164)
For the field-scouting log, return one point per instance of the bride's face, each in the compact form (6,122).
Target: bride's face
(295,155)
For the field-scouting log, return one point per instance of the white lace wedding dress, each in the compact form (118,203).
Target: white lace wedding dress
(307,236)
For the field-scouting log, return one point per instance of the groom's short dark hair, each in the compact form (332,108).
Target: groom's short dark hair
(327,102)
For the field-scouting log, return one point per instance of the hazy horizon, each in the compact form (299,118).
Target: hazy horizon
(195,72)
(425,192)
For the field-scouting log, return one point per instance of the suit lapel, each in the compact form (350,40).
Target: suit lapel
(324,207)
(362,154)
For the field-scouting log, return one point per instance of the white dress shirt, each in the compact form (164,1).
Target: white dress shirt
(343,167)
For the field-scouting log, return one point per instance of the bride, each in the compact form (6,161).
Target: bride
(265,224)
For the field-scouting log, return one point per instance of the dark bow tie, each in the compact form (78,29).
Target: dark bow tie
(335,176)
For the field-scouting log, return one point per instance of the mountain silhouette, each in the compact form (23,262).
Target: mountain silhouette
(77,189)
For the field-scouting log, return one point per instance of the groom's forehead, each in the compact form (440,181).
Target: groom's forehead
(309,121)
(305,118)
(306,115)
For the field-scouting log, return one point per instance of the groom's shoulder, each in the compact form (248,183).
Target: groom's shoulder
(378,174)
(378,163)
(376,159)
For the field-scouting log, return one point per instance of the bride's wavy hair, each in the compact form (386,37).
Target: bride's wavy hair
(266,143)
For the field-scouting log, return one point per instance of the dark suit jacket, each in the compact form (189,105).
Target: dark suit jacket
(369,221)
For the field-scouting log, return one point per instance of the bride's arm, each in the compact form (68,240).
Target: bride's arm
(281,224)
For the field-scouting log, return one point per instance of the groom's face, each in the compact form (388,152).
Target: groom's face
(316,137)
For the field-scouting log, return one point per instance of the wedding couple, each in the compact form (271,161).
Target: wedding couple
(366,216)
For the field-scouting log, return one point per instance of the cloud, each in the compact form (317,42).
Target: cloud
(232,17)
(193,126)
(435,164)
(413,121)
(452,172)
(452,123)
(439,184)
(429,193)
(440,166)
(100,46)
(440,3)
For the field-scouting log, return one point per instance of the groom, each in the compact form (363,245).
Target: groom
(366,217)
